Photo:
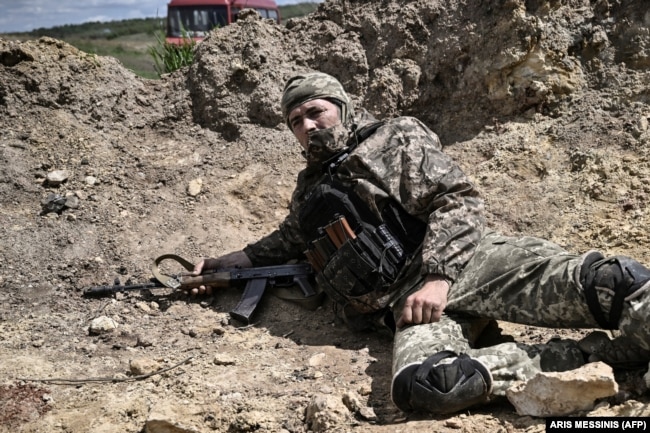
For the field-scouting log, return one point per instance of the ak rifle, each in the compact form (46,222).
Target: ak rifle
(257,280)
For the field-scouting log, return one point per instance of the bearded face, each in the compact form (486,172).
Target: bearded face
(322,144)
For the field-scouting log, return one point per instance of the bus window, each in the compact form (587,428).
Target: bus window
(264,13)
(195,21)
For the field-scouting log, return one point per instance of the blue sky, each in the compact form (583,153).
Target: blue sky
(26,15)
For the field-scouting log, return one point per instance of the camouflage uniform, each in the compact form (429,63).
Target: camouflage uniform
(402,161)
(524,280)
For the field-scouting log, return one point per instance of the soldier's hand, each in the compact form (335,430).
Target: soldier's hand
(427,304)
(236,259)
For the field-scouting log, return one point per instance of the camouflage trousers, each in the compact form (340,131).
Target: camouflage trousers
(523,280)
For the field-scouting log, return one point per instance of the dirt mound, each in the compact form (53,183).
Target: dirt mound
(546,105)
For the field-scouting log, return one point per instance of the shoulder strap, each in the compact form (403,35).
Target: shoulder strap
(360,134)
(367,130)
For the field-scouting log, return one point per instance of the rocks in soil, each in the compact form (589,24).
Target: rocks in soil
(57,177)
(326,412)
(102,325)
(563,393)
(543,104)
(142,366)
(167,417)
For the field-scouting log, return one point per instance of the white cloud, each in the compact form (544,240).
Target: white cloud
(25,15)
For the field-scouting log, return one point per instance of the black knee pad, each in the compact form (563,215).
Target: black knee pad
(441,388)
(619,274)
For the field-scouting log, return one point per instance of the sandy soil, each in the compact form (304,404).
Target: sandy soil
(546,105)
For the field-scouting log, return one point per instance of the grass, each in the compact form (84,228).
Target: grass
(170,57)
(131,51)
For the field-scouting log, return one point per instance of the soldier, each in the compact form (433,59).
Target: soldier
(410,248)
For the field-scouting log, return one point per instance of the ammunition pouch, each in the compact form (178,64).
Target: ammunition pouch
(357,256)
(360,273)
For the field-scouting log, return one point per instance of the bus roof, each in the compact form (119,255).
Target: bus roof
(269,4)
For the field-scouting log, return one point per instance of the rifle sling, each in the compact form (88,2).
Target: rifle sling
(255,286)
(166,280)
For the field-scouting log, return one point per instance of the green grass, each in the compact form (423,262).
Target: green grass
(297,10)
(131,51)
(170,57)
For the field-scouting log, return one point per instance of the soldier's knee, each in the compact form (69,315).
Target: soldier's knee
(619,275)
(437,388)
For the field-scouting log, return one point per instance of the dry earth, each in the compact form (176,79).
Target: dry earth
(546,105)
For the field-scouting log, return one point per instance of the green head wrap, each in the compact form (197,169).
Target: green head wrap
(317,85)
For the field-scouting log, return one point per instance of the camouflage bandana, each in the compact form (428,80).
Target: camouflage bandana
(325,143)
(317,85)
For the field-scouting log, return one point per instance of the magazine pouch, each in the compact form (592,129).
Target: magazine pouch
(325,203)
(358,272)
(356,256)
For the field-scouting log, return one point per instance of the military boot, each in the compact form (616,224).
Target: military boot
(618,352)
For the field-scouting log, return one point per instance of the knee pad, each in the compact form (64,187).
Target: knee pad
(620,275)
(437,388)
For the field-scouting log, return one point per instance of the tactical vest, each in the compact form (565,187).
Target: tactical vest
(359,257)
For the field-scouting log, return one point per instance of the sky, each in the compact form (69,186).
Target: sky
(26,15)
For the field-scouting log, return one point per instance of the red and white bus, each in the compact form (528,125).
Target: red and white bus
(195,18)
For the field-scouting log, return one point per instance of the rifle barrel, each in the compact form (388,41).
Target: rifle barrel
(214,278)
(107,290)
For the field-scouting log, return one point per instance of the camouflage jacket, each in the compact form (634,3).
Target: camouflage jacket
(401,160)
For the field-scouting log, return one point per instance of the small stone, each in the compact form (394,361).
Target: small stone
(454,423)
(351,401)
(222,359)
(143,366)
(143,306)
(326,413)
(194,188)
(91,180)
(144,341)
(72,202)
(57,177)
(102,325)
(207,303)
(365,389)
(316,360)
(53,203)
(367,413)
